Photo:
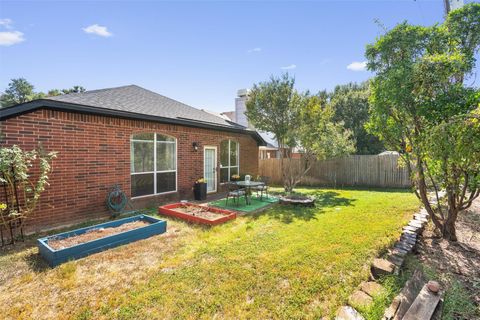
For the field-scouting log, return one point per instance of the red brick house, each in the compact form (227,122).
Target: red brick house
(152,146)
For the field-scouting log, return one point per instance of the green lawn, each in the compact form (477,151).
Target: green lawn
(283,263)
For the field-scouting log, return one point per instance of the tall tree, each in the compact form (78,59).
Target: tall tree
(54,93)
(74,89)
(350,103)
(422,108)
(18,91)
(21,91)
(297,120)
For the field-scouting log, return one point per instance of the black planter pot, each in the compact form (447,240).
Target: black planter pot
(200,191)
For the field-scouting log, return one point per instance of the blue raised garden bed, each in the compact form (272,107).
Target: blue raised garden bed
(56,257)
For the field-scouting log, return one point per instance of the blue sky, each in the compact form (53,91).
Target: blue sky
(199,53)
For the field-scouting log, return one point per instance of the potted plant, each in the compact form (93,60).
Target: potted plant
(200,189)
(235,177)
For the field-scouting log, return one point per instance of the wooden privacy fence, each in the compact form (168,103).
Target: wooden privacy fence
(358,170)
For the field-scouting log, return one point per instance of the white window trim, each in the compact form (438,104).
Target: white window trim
(155,166)
(229,164)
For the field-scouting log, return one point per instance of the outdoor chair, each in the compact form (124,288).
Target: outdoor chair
(234,192)
(264,188)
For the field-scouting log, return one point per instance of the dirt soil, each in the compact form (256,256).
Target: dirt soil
(201,212)
(461,259)
(94,234)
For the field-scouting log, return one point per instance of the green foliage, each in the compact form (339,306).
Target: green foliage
(318,134)
(392,285)
(421,107)
(299,121)
(18,91)
(273,106)
(74,89)
(458,302)
(350,103)
(455,146)
(21,91)
(54,93)
(23,187)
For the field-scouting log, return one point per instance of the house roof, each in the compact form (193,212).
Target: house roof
(131,102)
(269,138)
(219,114)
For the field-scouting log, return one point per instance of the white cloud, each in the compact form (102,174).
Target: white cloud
(98,30)
(7,23)
(8,38)
(254,50)
(357,66)
(290,67)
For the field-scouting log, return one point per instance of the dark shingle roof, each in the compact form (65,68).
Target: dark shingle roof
(135,99)
(131,102)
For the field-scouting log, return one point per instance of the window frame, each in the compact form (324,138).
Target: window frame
(155,172)
(229,167)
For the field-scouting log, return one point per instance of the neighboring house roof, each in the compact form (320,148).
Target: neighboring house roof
(269,138)
(131,102)
(218,114)
(272,144)
(230,115)
(387,153)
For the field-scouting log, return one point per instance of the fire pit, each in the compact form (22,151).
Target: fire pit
(297,200)
(197,213)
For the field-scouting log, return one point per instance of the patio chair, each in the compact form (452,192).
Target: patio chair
(264,188)
(234,192)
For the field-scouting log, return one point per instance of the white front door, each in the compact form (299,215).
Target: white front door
(210,168)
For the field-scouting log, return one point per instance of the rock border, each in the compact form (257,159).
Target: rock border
(390,264)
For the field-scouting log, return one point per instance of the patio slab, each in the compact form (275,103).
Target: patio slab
(255,205)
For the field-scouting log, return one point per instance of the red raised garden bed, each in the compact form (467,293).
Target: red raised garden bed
(196,213)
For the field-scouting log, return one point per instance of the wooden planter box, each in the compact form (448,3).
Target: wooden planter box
(56,257)
(169,210)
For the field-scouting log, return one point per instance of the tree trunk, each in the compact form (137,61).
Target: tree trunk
(422,191)
(448,230)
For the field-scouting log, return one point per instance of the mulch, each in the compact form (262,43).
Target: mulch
(201,212)
(94,234)
(460,259)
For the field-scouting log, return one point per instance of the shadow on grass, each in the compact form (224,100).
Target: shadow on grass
(36,263)
(328,199)
(352,188)
(323,199)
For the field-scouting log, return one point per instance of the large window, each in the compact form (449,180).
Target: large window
(153,164)
(228,159)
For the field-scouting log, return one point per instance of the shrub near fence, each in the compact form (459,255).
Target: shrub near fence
(357,170)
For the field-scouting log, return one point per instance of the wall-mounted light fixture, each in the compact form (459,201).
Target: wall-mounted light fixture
(195,146)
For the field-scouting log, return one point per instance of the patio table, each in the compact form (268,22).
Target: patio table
(248,186)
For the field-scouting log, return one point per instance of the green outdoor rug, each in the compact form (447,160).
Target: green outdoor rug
(255,204)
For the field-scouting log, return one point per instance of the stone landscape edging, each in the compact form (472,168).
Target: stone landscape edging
(391,264)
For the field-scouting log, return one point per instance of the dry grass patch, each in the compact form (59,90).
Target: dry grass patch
(31,290)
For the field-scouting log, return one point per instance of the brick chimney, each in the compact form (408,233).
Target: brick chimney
(241,108)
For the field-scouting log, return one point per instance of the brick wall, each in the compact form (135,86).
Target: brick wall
(94,154)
